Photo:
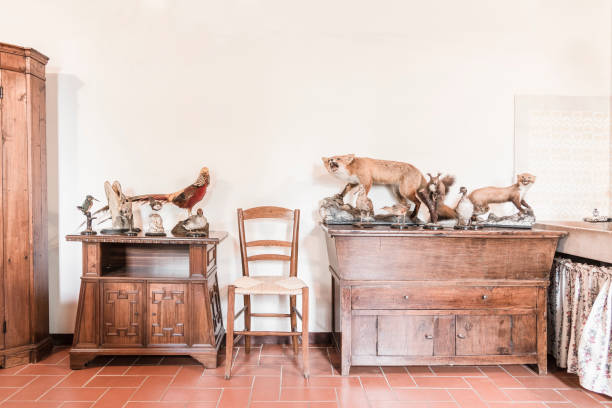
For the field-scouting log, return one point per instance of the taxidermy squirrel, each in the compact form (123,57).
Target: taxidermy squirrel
(482,197)
(434,196)
(404,178)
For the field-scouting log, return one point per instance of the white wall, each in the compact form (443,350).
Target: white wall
(149,91)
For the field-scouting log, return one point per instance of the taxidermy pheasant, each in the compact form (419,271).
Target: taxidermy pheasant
(186,198)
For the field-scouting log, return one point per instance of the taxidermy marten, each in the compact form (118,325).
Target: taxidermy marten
(404,178)
(434,196)
(482,197)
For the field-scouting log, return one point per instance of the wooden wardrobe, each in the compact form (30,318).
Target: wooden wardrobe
(24,295)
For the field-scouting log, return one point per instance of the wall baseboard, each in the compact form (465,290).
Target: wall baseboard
(319,338)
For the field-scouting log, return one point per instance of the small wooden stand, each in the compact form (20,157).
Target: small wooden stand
(148,295)
(439,297)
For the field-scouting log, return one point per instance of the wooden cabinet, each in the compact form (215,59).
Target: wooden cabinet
(142,295)
(439,297)
(24,298)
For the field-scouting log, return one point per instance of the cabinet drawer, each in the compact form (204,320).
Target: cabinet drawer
(442,297)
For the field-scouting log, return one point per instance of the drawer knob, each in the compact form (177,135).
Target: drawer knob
(484,297)
(406,297)
(461,336)
(428,336)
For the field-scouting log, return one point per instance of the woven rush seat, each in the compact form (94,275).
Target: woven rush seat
(269,285)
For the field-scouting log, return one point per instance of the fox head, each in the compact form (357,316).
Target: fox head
(337,163)
(525,179)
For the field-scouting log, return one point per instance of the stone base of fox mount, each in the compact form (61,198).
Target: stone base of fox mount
(519,220)
(333,211)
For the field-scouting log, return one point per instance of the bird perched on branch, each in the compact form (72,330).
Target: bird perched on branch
(186,198)
(87,204)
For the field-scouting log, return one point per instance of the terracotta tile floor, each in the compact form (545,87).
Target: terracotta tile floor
(271,377)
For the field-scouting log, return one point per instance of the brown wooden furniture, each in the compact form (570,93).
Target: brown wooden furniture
(439,297)
(143,295)
(24,295)
(249,285)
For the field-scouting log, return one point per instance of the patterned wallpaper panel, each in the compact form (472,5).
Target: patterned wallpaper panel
(566,143)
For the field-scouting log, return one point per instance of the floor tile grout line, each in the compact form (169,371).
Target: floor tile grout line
(50,388)
(250,401)
(10,395)
(172,380)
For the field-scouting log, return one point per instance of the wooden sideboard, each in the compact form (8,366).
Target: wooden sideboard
(144,295)
(415,296)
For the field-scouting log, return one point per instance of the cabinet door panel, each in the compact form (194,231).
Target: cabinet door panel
(363,335)
(168,311)
(1,225)
(524,335)
(15,209)
(483,335)
(405,335)
(122,313)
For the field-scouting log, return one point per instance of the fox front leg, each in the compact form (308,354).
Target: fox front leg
(524,204)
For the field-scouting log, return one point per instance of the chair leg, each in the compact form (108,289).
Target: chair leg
(247,322)
(292,306)
(229,336)
(305,341)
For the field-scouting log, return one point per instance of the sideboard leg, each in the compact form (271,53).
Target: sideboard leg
(78,360)
(345,322)
(208,360)
(541,331)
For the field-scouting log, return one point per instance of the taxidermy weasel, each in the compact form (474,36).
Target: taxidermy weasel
(404,178)
(482,197)
(434,195)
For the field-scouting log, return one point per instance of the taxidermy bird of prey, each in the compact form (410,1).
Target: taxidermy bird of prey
(185,198)
(87,204)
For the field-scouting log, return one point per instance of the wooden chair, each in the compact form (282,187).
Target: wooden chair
(267,285)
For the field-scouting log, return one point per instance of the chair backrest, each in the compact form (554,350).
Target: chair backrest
(269,212)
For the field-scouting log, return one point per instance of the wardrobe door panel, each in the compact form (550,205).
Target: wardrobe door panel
(38,169)
(1,225)
(15,209)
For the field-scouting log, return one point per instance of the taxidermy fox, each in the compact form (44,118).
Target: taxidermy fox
(404,178)
(482,197)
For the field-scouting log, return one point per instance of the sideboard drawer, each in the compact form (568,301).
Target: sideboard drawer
(442,297)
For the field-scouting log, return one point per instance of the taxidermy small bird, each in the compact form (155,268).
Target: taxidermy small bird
(464,209)
(398,210)
(87,204)
(186,198)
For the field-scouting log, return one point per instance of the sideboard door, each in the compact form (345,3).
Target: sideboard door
(483,335)
(405,335)
(168,313)
(122,306)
